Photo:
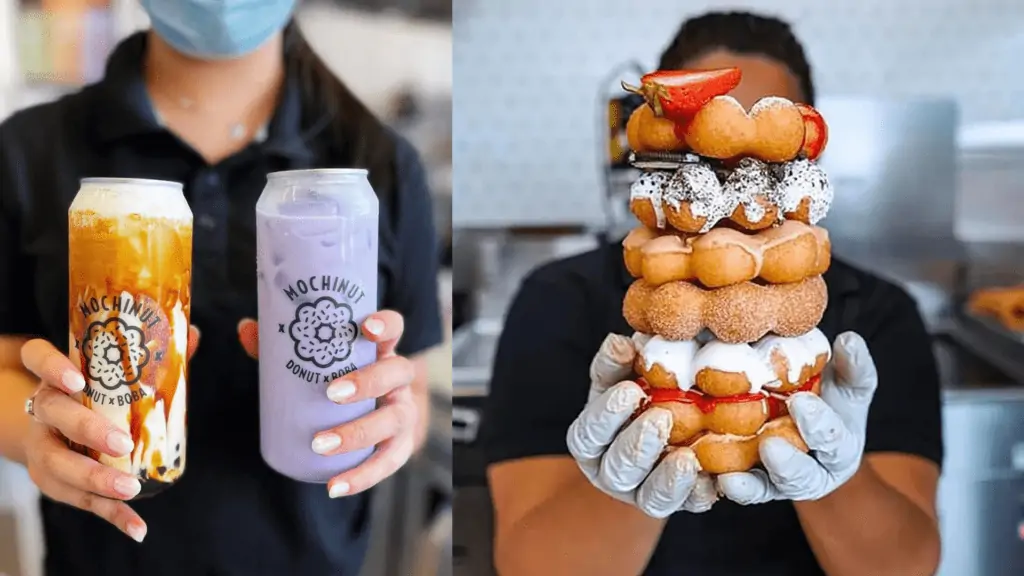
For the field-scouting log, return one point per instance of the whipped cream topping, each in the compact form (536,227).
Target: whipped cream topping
(651,186)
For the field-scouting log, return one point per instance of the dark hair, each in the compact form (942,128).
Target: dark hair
(360,137)
(742,33)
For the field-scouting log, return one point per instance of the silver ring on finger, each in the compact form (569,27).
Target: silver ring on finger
(30,408)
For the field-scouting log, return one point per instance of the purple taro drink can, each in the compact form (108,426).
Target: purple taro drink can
(317,268)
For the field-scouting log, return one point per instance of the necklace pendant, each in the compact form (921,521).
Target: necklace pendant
(238,131)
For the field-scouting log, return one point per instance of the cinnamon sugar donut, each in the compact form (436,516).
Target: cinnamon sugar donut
(783,254)
(742,312)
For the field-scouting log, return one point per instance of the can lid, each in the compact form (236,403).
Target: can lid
(319,172)
(135,181)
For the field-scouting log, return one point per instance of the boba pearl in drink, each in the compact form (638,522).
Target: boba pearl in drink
(317,269)
(129,271)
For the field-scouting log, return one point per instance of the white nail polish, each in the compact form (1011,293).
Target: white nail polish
(374,327)
(325,443)
(137,531)
(73,381)
(120,442)
(341,390)
(338,489)
(127,487)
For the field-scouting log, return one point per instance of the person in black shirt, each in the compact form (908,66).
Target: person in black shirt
(217,96)
(830,512)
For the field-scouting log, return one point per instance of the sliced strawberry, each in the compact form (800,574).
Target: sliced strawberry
(815,132)
(679,94)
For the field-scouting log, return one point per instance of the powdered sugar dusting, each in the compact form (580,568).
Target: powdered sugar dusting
(769,102)
(803,179)
(650,186)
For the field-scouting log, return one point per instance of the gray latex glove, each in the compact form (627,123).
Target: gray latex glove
(833,426)
(623,463)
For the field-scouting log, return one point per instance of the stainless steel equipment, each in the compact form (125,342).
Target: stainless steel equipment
(473,352)
(893,166)
(981,494)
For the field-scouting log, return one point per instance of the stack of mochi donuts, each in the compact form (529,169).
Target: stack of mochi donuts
(727,261)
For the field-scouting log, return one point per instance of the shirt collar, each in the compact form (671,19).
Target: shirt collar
(124,109)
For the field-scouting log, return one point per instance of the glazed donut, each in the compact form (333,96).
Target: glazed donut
(694,414)
(752,195)
(787,253)
(720,369)
(772,131)
(738,313)
(1004,304)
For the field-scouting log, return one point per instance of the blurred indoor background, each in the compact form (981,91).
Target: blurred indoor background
(396,55)
(925,104)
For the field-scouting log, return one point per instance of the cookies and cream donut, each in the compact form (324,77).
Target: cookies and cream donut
(752,195)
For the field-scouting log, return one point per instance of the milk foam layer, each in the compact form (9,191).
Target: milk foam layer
(684,359)
(113,198)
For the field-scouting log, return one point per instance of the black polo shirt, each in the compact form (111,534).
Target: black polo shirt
(230,515)
(555,326)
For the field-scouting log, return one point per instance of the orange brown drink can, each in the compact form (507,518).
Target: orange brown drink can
(130,273)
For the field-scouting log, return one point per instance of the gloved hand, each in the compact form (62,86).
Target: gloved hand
(833,426)
(623,463)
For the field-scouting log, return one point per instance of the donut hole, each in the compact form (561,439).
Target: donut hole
(1017,312)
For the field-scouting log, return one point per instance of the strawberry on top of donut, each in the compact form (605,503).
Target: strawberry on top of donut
(815,132)
(679,94)
(710,123)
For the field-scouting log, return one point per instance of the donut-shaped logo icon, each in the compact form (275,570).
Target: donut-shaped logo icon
(115,353)
(323,332)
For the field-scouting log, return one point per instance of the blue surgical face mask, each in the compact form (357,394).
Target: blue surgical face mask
(217,29)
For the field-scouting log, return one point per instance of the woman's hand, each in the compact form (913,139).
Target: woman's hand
(623,459)
(61,473)
(391,427)
(833,426)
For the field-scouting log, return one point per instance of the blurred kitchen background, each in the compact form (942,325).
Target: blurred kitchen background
(396,55)
(925,105)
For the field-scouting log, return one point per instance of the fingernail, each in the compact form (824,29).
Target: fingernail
(137,531)
(127,486)
(341,390)
(73,381)
(120,442)
(325,443)
(338,489)
(374,326)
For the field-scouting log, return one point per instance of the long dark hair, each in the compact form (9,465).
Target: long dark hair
(360,137)
(742,33)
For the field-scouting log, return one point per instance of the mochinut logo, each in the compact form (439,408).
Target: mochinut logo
(323,331)
(115,353)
